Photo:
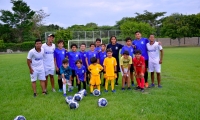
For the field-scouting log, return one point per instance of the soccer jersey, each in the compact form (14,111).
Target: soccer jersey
(59,55)
(110,64)
(138,63)
(73,57)
(36,60)
(154,52)
(48,56)
(66,71)
(141,45)
(80,72)
(126,62)
(91,54)
(129,49)
(83,56)
(102,56)
(115,49)
(95,69)
(98,48)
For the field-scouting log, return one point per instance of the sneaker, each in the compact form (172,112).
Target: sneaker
(128,88)
(116,84)
(142,90)
(152,85)
(34,94)
(44,93)
(146,85)
(64,94)
(60,90)
(159,86)
(137,88)
(123,89)
(91,94)
(113,91)
(132,83)
(53,90)
(105,90)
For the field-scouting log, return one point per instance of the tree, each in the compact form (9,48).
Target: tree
(128,29)
(124,19)
(64,34)
(19,19)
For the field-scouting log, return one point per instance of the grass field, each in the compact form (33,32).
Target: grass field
(178,99)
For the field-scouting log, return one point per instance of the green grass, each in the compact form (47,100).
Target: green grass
(178,99)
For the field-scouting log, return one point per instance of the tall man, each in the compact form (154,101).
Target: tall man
(49,67)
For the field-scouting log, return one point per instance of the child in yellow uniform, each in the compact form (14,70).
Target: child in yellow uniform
(95,70)
(110,69)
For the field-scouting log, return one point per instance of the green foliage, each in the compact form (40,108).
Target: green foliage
(128,29)
(64,34)
(2,45)
(25,46)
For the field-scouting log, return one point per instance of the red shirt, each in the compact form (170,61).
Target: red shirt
(139,63)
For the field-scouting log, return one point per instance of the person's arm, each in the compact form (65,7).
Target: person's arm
(86,60)
(78,79)
(161,56)
(134,67)
(29,66)
(56,65)
(85,76)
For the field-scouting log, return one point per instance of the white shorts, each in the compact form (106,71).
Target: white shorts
(125,71)
(49,72)
(68,82)
(154,67)
(37,75)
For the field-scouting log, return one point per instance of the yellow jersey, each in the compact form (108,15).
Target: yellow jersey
(95,69)
(126,62)
(110,64)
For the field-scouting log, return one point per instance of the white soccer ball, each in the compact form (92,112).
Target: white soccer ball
(96,92)
(83,92)
(102,102)
(73,105)
(20,117)
(68,99)
(78,97)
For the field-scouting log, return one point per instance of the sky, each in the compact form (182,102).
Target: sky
(66,13)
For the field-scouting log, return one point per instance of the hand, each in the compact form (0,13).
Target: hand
(85,80)
(66,50)
(160,62)
(31,71)
(64,81)
(159,43)
(78,81)
(133,46)
(57,69)
(125,74)
(141,74)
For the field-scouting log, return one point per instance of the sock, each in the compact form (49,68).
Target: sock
(138,82)
(112,84)
(91,88)
(146,76)
(64,88)
(142,83)
(72,82)
(60,84)
(79,86)
(106,85)
(98,87)
(104,80)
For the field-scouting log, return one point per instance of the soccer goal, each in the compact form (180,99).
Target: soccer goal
(79,42)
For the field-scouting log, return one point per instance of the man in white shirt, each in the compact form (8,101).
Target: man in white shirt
(155,52)
(36,67)
(49,67)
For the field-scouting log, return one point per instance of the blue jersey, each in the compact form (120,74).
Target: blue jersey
(59,55)
(91,54)
(115,49)
(129,49)
(83,56)
(142,46)
(80,72)
(66,71)
(73,57)
(98,48)
(102,56)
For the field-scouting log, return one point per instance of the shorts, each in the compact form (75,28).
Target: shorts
(73,73)
(131,68)
(58,72)
(125,71)
(139,70)
(154,67)
(37,75)
(110,77)
(68,82)
(49,72)
(95,80)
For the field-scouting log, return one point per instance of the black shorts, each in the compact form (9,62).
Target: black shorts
(58,72)
(131,68)
(146,63)
(73,73)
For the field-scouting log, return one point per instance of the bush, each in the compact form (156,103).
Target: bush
(26,46)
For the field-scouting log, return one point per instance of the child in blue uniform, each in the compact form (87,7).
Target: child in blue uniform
(80,71)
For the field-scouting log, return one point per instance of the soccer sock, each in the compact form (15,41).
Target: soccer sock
(79,86)
(142,83)
(146,76)
(138,82)
(64,88)
(84,85)
(106,85)
(98,87)
(72,82)
(116,80)
(91,88)
(104,80)
(60,84)
(112,84)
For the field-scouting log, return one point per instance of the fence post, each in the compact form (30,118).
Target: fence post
(108,36)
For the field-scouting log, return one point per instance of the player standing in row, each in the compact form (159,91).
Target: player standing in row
(36,67)
(49,67)
(155,53)
(140,44)
(128,47)
(98,45)
(115,47)
(73,56)
(83,54)
(59,56)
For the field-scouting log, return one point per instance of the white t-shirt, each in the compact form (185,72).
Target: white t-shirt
(48,56)
(154,52)
(37,60)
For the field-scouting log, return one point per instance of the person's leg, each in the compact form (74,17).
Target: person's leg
(34,86)
(52,82)
(146,74)
(131,75)
(84,85)
(60,84)
(118,69)
(158,78)
(106,85)
(152,78)
(98,87)
(42,83)
(46,82)
(87,77)
(112,84)
(123,81)
(79,86)
(91,88)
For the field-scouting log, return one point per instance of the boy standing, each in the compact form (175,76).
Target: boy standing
(59,56)
(83,53)
(36,67)
(155,53)
(98,45)
(125,63)
(110,70)
(139,66)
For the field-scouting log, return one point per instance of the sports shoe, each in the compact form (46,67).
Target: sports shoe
(116,84)
(159,86)
(113,91)
(146,85)
(60,90)
(137,88)
(34,94)
(152,85)
(91,94)
(123,89)
(128,88)
(142,90)
(132,83)
(44,93)
(53,90)
(64,94)
(105,90)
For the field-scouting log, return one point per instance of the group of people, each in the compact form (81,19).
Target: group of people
(101,61)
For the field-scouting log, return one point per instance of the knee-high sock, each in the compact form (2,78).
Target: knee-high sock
(98,87)
(146,76)
(112,84)
(106,85)
(142,83)
(138,82)
(60,84)
(91,88)
(64,88)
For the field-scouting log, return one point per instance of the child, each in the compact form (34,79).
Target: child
(98,45)
(139,66)
(125,63)
(66,73)
(73,56)
(80,74)
(110,70)
(128,47)
(95,69)
(83,53)
(155,53)
(102,56)
(59,56)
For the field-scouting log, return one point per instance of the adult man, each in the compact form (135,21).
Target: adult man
(155,53)
(49,67)
(36,67)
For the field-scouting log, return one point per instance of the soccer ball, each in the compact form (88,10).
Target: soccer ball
(20,117)
(83,92)
(68,99)
(102,102)
(73,105)
(78,97)
(96,92)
